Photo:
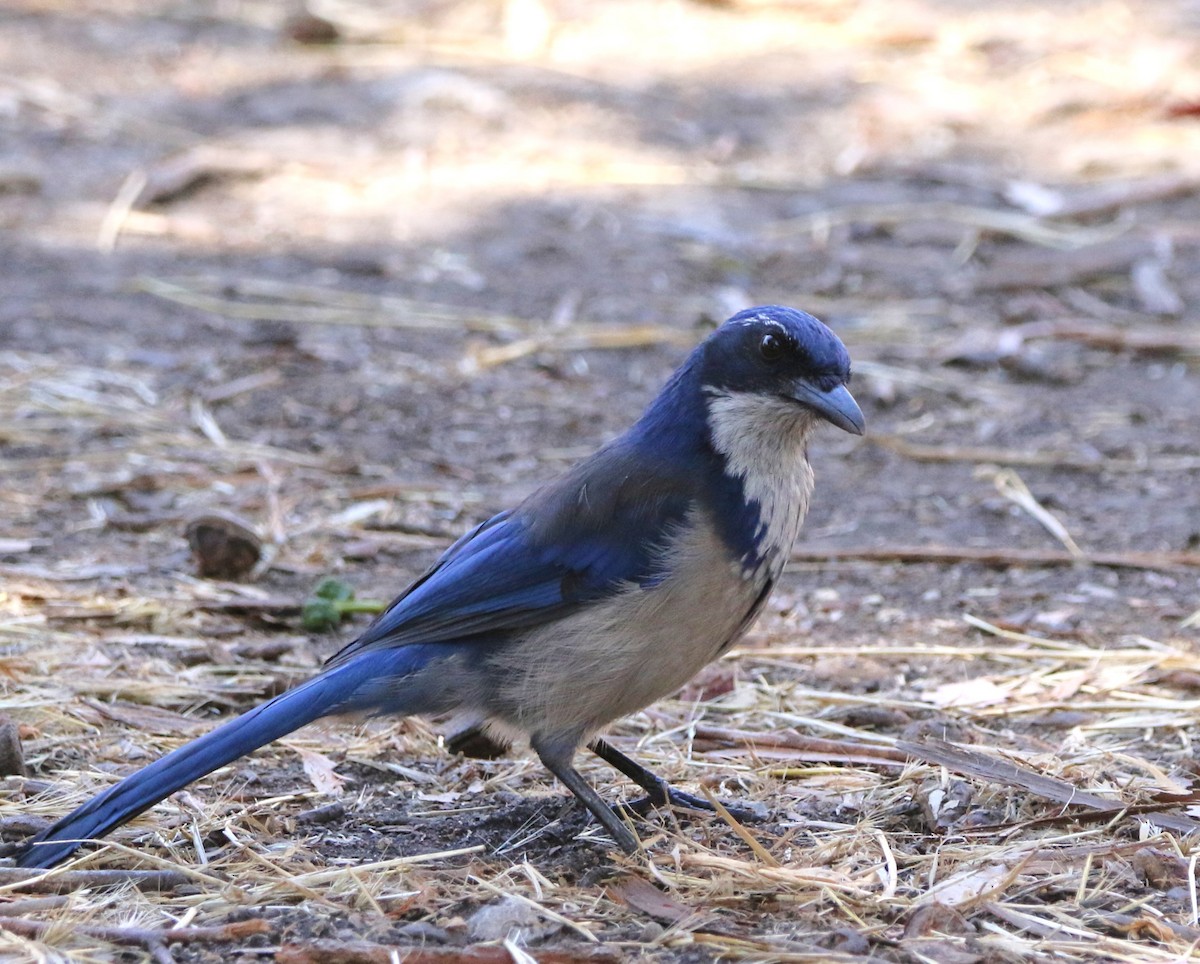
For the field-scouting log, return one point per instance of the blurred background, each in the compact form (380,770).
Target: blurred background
(454,245)
(360,274)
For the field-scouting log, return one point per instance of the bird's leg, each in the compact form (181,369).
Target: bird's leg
(658,791)
(557,759)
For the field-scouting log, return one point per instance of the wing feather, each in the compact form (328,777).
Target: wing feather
(561,548)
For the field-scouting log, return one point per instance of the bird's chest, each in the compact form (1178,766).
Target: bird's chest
(617,656)
(780,503)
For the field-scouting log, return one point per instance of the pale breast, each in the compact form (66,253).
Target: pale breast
(618,656)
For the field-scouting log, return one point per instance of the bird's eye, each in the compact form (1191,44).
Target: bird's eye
(771,347)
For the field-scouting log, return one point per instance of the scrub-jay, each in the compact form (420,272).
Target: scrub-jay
(603,591)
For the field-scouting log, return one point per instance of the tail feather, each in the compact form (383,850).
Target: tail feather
(338,690)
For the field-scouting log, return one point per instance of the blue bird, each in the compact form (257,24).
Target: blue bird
(602,592)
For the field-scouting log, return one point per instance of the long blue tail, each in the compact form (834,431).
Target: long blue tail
(350,687)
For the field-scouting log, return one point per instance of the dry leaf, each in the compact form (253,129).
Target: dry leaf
(972,692)
(321,771)
(644,896)
(966,886)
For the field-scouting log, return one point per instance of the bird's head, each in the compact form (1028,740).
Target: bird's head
(783,354)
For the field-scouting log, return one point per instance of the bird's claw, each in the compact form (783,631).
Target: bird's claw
(687,801)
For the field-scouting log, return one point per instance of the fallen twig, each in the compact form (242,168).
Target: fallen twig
(1013,223)
(806,748)
(119,210)
(40,882)
(1093,199)
(577,338)
(1032,269)
(33,905)
(1050,460)
(1142,340)
(310,304)
(1013,487)
(997,770)
(143,936)
(282,608)
(1036,925)
(1001,557)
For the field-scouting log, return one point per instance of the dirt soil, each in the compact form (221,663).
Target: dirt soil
(363,293)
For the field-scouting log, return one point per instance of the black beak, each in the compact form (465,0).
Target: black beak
(837,406)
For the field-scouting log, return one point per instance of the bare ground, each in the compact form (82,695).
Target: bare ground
(367,293)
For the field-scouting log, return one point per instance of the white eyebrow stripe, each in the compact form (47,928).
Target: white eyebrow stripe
(766,320)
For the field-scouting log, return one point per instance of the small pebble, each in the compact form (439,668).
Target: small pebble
(223,546)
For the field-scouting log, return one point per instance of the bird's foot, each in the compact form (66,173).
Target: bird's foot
(667,795)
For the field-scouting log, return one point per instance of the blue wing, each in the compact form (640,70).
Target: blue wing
(596,530)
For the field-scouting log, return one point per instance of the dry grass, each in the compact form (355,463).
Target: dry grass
(1056,831)
(938,784)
